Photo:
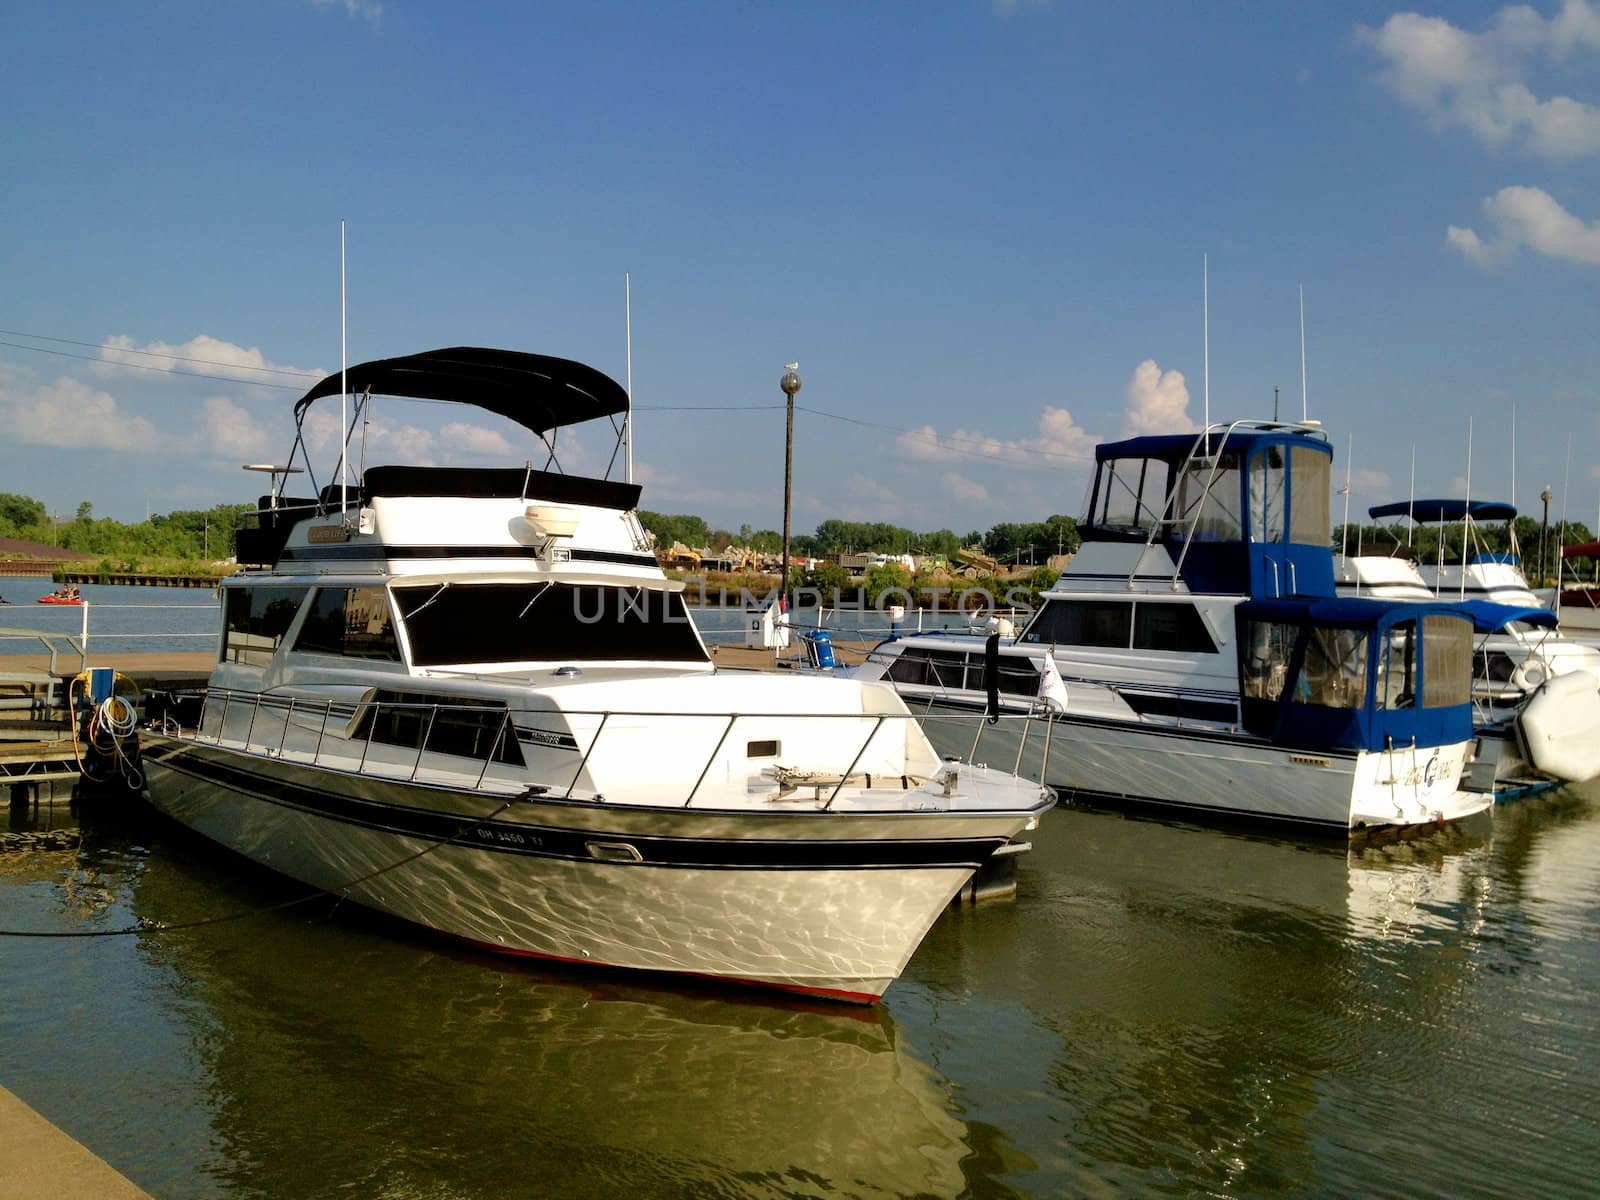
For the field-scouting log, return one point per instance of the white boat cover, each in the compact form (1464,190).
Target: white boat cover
(1560,727)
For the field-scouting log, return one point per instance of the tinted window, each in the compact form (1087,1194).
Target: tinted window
(1207,507)
(353,622)
(1446,661)
(462,727)
(1397,669)
(1309,518)
(1265,650)
(545,622)
(1267,479)
(1174,626)
(256,619)
(931,668)
(1081,623)
(1334,674)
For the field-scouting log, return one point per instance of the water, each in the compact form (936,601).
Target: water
(1164,1010)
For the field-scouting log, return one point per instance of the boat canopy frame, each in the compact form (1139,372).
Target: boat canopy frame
(539,392)
(1232,516)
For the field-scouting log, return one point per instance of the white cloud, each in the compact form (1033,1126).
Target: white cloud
(475,440)
(1059,437)
(872,499)
(1158,401)
(1476,81)
(1370,484)
(1531,217)
(71,415)
(227,430)
(964,489)
(202,355)
(385,443)
(369,11)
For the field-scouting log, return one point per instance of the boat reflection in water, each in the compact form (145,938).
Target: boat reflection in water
(1211,1006)
(347,1057)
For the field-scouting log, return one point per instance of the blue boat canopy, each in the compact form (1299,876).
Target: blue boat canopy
(1445,510)
(1356,673)
(1241,508)
(1489,617)
(1175,447)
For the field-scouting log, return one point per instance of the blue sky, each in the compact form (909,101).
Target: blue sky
(978,227)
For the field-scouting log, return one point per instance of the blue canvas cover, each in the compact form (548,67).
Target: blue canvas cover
(1489,617)
(1445,510)
(1295,558)
(1294,717)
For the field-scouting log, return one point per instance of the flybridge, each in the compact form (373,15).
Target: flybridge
(1241,509)
(539,392)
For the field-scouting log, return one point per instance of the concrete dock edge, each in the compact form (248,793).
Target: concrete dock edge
(40,1162)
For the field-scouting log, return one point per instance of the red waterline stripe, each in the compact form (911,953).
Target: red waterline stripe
(789,988)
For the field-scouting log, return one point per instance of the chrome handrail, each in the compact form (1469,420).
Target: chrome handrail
(290,706)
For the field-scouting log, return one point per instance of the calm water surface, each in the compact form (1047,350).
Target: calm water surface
(1163,1011)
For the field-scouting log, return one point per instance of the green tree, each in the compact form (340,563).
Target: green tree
(884,578)
(20,513)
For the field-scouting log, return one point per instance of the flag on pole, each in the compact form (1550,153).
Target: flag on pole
(1052,691)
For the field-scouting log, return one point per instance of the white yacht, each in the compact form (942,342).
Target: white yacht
(1205,662)
(470,698)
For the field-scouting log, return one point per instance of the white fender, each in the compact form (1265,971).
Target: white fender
(1559,727)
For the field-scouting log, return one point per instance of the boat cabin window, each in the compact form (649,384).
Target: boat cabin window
(1309,516)
(1082,623)
(256,618)
(352,622)
(1397,668)
(1267,647)
(545,622)
(1335,670)
(1206,501)
(1128,494)
(955,669)
(1267,480)
(460,726)
(1174,626)
(1446,661)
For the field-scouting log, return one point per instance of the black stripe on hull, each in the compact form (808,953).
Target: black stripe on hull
(554,842)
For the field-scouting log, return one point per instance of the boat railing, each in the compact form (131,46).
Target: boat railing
(292,729)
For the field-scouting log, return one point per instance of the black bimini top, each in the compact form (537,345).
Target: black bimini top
(534,390)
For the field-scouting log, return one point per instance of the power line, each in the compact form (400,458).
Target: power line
(286,387)
(205,362)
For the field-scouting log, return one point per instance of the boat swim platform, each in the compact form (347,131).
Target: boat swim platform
(43,1162)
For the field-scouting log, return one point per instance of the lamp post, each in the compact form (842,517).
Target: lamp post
(1544,531)
(790,383)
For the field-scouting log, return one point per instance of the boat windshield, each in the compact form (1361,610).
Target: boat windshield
(450,624)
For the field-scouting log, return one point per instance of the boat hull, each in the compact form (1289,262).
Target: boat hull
(1214,773)
(823,903)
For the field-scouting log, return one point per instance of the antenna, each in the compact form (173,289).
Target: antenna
(1344,533)
(627,420)
(1514,453)
(1303,352)
(1411,496)
(344,390)
(1205,309)
(1466,515)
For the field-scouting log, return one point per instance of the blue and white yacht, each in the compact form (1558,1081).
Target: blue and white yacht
(1536,690)
(1206,663)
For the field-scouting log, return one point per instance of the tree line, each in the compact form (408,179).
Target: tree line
(1009,542)
(183,541)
